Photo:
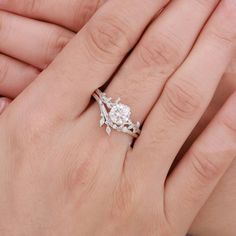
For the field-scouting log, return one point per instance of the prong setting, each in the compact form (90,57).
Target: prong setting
(116,115)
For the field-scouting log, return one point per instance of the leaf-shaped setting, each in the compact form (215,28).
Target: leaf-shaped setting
(102,121)
(108,130)
(131,126)
(109,105)
(125,129)
(118,100)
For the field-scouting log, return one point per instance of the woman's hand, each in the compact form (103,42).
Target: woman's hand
(220,209)
(62,174)
(29,46)
(69,14)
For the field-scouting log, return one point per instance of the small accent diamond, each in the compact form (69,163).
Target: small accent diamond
(108,130)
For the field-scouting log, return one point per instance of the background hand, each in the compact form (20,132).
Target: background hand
(29,45)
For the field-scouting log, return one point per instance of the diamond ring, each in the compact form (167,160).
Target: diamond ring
(116,115)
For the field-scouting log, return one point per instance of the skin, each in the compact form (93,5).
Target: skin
(220,209)
(152,71)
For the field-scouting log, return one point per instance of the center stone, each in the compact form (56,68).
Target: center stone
(119,114)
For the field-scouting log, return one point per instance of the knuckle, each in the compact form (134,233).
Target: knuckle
(162,50)
(83,174)
(204,167)
(181,100)
(108,38)
(57,41)
(83,11)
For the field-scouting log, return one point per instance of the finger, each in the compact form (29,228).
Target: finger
(160,52)
(187,95)
(14,76)
(91,57)
(34,42)
(70,14)
(4,102)
(196,176)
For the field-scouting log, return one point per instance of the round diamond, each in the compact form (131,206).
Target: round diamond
(119,114)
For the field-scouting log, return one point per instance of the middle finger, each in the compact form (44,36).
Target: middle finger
(160,52)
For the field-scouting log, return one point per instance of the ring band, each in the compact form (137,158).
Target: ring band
(116,115)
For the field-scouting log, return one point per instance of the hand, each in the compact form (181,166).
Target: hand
(75,171)
(220,209)
(29,46)
(69,14)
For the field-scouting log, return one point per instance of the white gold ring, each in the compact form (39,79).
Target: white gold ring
(116,115)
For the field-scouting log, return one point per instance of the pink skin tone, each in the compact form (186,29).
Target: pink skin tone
(199,225)
(4,102)
(220,209)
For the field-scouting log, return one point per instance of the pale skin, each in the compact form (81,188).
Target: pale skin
(218,216)
(71,174)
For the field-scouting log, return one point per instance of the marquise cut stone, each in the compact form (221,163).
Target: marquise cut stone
(120,114)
